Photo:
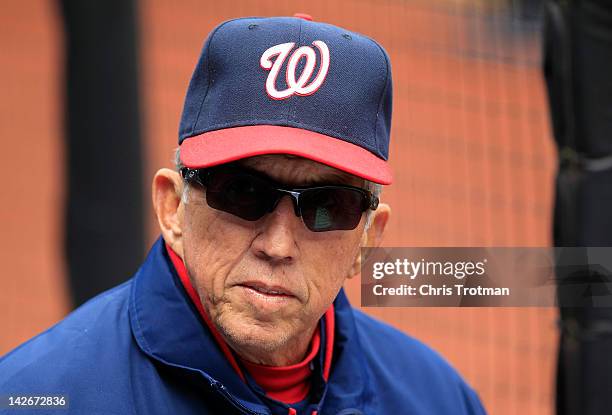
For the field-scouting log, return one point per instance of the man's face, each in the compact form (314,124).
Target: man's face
(237,265)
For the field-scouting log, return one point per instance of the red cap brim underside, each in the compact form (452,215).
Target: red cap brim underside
(230,144)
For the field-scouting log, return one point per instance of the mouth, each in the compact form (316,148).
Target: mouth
(266,299)
(272,291)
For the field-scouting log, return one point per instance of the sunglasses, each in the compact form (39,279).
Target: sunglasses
(250,196)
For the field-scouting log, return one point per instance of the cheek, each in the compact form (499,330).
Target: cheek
(331,265)
(212,247)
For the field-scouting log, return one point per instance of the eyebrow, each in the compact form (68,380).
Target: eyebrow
(331,179)
(339,178)
(327,178)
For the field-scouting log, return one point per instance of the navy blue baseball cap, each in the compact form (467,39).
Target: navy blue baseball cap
(288,85)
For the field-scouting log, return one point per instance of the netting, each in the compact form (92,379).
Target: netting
(471,151)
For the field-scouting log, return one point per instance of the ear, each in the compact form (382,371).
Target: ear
(167,189)
(372,237)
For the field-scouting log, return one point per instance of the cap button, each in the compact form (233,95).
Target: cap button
(303,16)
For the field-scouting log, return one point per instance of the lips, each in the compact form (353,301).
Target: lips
(266,289)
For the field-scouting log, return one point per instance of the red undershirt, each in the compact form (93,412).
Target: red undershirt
(288,384)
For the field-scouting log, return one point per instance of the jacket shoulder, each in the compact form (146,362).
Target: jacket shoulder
(74,354)
(400,362)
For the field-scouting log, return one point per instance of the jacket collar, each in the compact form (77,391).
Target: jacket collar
(168,328)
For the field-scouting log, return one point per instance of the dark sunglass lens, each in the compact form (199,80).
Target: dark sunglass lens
(240,194)
(329,209)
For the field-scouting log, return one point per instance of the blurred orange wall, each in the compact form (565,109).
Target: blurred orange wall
(471,149)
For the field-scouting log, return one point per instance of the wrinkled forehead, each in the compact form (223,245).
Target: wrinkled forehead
(295,170)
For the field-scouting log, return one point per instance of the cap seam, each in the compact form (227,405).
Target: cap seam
(383,92)
(291,107)
(210,44)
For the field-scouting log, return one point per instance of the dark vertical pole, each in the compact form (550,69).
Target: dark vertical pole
(104,220)
(578,64)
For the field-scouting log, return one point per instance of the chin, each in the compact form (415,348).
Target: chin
(248,333)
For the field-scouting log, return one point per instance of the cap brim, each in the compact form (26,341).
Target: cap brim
(230,144)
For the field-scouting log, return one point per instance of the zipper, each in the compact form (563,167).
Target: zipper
(228,397)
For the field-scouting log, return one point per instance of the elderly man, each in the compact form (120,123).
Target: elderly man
(239,306)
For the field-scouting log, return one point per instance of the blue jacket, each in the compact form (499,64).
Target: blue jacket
(141,348)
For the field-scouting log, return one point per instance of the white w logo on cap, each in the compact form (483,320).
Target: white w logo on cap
(295,86)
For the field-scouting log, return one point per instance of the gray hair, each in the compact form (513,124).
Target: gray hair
(374,188)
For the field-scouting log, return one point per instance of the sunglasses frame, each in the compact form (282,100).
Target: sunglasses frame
(201,177)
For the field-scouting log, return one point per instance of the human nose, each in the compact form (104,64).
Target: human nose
(277,238)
